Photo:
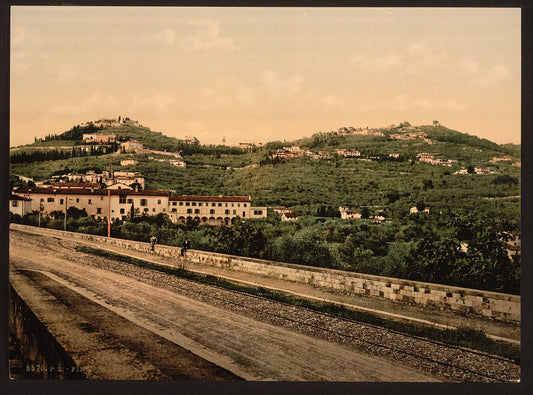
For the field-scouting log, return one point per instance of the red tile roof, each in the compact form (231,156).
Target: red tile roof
(75,184)
(78,191)
(210,198)
(16,197)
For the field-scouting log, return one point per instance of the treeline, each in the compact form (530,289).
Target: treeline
(57,154)
(464,251)
(75,133)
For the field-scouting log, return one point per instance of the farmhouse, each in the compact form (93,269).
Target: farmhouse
(99,138)
(131,146)
(346,213)
(289,216)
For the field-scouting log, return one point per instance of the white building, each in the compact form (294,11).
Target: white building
(19,205)
(118,203)
(414,210)
(346,213)
(212,209)
(128,162)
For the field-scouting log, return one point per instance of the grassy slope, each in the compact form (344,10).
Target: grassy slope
(305,184)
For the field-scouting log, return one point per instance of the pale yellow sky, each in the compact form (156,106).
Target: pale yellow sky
(264,74)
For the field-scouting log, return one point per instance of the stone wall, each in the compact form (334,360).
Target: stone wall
(498,306)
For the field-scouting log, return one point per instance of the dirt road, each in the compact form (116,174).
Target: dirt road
(240,344)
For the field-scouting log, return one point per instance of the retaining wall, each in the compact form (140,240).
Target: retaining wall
(498,306)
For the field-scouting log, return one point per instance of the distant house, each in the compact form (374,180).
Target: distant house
(128,162)
(246,146)
(178,163)
(290,216)
(377,218)
(414,210)
(192,140)
(501,159)
(131,146)
(482,170)
(19,205)
(99,138)
(346,213)
(347,153)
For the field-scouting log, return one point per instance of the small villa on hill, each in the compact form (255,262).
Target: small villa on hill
(289,216)
(346,213)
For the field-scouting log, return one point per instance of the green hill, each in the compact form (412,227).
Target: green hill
(389,185)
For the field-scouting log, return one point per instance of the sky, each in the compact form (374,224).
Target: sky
(263,74)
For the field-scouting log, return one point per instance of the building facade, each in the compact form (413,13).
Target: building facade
(121,203)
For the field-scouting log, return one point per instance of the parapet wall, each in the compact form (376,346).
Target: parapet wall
(498,306)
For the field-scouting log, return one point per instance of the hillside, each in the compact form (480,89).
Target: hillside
(388,184)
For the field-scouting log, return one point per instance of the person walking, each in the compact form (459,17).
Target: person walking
(153,240)
(186,245)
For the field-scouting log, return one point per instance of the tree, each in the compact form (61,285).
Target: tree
(435,123)
(365,213)
(470,169)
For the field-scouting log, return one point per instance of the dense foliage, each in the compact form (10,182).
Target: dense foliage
(58,154)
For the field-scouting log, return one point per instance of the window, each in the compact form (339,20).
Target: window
(212,211)
(197,211)
(234,212)
(130,201)
(158,201)
(174,210)
(232,204)
(164,210)
(258,212)
(145,210)
(213,204)
(144,202)
(243,214)
(153,210)
(173,203)
(220,205)
(121,211)
(122,199)
(181,203)
(89,201)
(50,200)
(226,212)
(189,211)
(42,200)
(14,203)
(199,204)
(194,203)
(187,204)
(98,210)
(244,204)
(238,205)
(226,204)
(61,201)
(77,200)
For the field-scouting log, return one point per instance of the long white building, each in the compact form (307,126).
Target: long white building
(120,203)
